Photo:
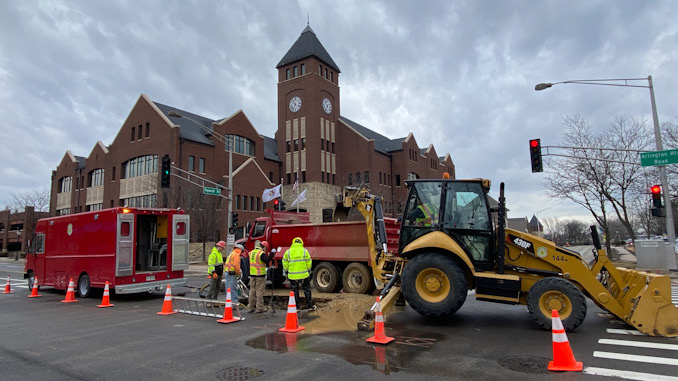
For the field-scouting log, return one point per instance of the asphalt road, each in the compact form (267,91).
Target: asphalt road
(42,338)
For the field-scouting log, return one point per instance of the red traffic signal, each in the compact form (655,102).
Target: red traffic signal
(535,155)
(276,202)
(656,196)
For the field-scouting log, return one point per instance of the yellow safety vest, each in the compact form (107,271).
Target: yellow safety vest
(257,267)
(215,259)
(297,262)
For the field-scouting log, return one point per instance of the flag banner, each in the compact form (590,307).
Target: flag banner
(301,198)
(294,187)
(270,194)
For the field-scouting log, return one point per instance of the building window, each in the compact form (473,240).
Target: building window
(322,143)
(270,176)
(332,147)
(327,145)
(237,202)
(253,203)
(201,167)
(303,69)
(303,143)
(140,132)
(325,73)
(242,145)
(289,145)
(147,201)
(289,178)
(133,134)
(322,177)
(287,75)
(333,179)
(303,176)
(113,175)
(95,178)
(139,166)
(357,178)
(65,184)
(191,163)
(397,180)
(294,71)
(332,76)
(320,70)
(367,177)
(296,144)
(148,129)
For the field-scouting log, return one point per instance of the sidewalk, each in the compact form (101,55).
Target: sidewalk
(626,257)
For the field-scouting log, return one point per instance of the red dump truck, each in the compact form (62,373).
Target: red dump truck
(134,249)
(340,252)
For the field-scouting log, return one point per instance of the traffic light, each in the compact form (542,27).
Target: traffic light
(658,208)
(656,196)
(535,155)
(276,204)
(282,205)
(165,172)
(234,219)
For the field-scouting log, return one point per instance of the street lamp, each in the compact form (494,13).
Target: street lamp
(227,142)
(625,82)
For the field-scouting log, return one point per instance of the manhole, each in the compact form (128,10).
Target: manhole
(237,373)
(526,364)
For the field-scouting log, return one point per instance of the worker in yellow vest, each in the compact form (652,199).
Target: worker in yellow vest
(297,265)
(215,269)
(258,262)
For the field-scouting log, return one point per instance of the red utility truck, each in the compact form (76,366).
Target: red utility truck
(340,252)
(134,249)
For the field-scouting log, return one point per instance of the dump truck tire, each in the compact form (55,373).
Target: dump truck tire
(434,285)
(558,294)
(357,278)
(84,286)
(326,277)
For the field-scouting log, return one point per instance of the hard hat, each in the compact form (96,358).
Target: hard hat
(239,246)
(264,244)
(298,240)
(221,244)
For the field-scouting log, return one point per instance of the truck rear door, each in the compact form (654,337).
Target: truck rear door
(180,237)
(124,253)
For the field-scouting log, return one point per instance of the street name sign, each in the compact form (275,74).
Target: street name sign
(208,190)
(648,159)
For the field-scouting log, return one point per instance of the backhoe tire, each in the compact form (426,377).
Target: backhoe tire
(326,277)
(357,278)
(434,285)
(558,294)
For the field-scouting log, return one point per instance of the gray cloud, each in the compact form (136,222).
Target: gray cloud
(459,75)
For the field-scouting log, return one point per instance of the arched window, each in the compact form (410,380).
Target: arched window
(139,166)
(95,178)
(241,145)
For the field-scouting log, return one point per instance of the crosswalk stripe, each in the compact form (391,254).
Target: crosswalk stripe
(633,332)
(627,374)
(639,344)
(636,358)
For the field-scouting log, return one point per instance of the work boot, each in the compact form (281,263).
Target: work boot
(260,310)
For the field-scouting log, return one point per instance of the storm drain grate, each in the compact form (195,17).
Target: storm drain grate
(526,364)
(237,373)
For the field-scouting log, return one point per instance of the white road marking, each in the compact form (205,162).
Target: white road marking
(636,358)
(639,344)
(627,374)
(625,332)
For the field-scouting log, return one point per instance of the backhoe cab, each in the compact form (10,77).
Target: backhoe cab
(452,242)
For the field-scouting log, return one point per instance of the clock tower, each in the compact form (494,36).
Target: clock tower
(308,109)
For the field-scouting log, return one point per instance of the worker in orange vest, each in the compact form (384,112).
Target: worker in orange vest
(232,268)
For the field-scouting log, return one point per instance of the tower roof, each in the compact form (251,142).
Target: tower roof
(308,45)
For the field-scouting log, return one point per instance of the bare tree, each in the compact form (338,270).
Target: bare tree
(600,180)
(553,229)
(206,211)
(575,232)
(38,198)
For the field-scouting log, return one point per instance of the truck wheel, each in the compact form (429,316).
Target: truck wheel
(84,286)
(434,285)
(357,278)
(557,294)
(326,277)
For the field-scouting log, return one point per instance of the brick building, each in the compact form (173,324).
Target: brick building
(314,143)
(16,229)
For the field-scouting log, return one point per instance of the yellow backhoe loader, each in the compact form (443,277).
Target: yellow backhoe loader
(451,242)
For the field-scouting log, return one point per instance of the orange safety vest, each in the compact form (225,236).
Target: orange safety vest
(231,265)
(257,267)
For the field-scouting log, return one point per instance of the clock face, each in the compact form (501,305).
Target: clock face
(327,105)
(295,104)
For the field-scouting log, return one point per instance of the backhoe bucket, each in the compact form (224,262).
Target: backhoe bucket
(652,311)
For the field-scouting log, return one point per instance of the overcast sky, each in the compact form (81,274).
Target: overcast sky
(458,74)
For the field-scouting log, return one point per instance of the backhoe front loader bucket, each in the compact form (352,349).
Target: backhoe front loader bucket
(650,308)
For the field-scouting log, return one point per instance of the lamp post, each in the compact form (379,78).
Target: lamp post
(18,236)
(625,82)
(229,147)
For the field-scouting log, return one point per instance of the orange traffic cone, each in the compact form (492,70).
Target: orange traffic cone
(167,308)
(8,288)
(70,293)
(106,300)
(228,310)
(291,322)
(34,292)
(563,359)
(379,333)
